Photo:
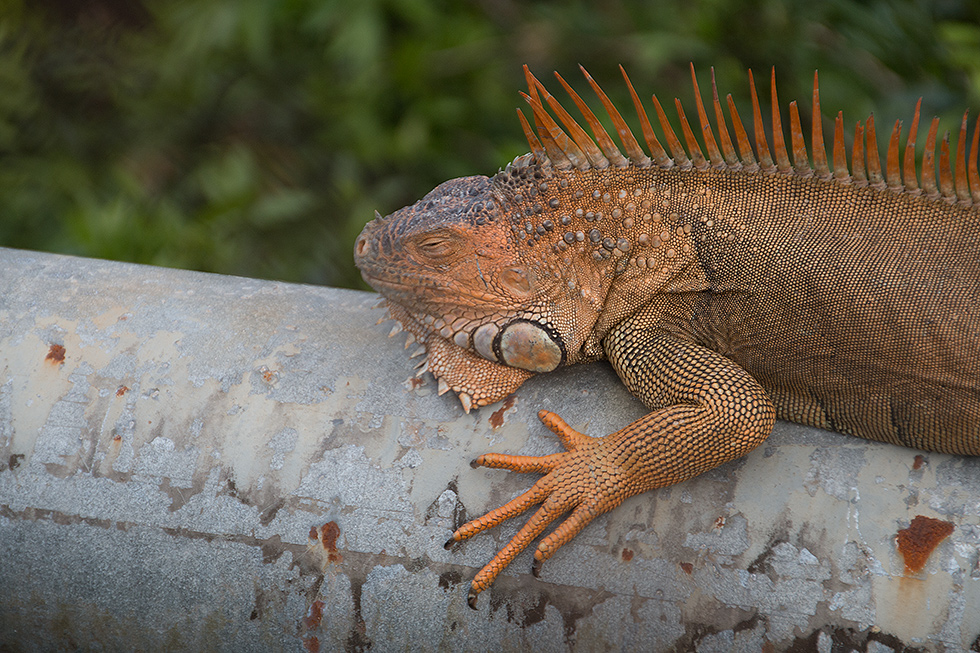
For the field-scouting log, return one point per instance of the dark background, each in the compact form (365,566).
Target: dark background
(256,137)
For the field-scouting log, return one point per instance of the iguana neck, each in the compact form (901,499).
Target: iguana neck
(616,237)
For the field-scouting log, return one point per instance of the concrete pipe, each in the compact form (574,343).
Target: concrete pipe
(198,462)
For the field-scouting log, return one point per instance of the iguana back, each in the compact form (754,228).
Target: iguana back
(858,310)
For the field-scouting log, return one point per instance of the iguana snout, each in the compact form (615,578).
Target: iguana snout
(419,244)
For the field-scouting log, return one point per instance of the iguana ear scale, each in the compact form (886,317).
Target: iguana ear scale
(516,280)
(529,346)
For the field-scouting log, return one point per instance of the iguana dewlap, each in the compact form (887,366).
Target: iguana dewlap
(726,291)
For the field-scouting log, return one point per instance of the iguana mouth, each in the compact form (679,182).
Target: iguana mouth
(395,290)
(378,283)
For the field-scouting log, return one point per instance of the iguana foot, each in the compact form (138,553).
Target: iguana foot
(588,479)
(715,412)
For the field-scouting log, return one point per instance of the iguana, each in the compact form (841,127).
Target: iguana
(726,291)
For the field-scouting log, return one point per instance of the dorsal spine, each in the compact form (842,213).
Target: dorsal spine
(572,147)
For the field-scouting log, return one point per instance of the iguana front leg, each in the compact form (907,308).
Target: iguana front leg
(706,410)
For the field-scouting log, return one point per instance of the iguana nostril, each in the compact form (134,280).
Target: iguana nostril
(361,246)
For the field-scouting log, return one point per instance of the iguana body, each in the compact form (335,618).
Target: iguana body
(725,292)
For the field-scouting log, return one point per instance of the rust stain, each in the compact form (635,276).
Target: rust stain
(56,354)
(497,417)
(919,461)
(313,534)
(121,391)
(329,533)
(311,644)
(687,567)
(314,615)
(627,555)
(720,522)
(416,382)
(917,542)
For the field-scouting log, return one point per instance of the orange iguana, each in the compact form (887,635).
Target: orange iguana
(726,291)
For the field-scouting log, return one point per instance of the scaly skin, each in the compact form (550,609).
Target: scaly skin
(725,294)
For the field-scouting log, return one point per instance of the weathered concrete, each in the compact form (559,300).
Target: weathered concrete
(194,462)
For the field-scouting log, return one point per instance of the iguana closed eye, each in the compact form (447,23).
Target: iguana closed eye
(726,290)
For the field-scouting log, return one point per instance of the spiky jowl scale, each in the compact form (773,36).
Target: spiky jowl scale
(726,290)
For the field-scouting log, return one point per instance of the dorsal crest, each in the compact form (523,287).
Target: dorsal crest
(569,146)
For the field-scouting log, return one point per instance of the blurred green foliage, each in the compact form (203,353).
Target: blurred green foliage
(256,137)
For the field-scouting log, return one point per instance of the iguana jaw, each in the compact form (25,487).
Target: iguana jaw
(475,380)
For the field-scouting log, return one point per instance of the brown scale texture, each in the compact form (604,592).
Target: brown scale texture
(857,310)
(850,308)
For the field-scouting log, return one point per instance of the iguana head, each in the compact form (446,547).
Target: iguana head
(467,273)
